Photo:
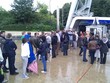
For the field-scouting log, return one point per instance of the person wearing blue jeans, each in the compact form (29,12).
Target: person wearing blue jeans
(84,53)
(92,53)
(43,49)
(44,62)
(65,49)
(85,44)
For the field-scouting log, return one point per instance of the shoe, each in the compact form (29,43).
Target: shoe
(101,62)
(85,60)
(7,68)
(43,72)
(5,81)
(25,77)
(5,71)
(15,68)
(16,73)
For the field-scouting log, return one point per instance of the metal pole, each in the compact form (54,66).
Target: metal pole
(62,17)
(58,27)
(50,11)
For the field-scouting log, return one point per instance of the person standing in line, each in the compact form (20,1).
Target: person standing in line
(74,40)
(80,41)
(48,39)
(58,42)
(65,40)
(84,46)
(70,33)
(43,50)
(10,48)
(54,44)
(92,49)
(97,53)
(104,49)
(2,42)
(32,55)
(23,35)
(25,52)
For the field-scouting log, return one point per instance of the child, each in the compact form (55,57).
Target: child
(25,52)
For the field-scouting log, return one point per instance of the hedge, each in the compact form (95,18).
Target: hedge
(27,27)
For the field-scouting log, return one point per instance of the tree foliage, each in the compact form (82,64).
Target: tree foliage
(24,17)
(22,11)
(101,8)
(64,11)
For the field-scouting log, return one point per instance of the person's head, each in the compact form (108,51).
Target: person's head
(24,40)
(42,33)
(97,37)
(2,33)
(23,33)
(29,33)
(91,34)
(31,40)
(9,36)
(35,34)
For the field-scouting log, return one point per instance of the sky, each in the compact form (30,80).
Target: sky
(52,4)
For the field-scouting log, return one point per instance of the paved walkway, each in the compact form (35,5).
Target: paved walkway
(65,69)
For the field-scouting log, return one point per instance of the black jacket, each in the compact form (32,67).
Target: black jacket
(54,40)
(104,47)
(10,47)
(2,42)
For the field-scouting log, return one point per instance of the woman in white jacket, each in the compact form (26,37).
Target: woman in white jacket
(25,52)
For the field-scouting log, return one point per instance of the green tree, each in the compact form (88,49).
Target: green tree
(64,11)
(101,8)
(23,11)
(43,8)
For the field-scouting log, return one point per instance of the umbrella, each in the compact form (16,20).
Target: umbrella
(33,67)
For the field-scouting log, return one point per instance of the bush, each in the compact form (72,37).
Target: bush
(27,27)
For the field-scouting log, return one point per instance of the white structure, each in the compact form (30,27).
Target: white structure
(97,29)
(79,8)
(80,11)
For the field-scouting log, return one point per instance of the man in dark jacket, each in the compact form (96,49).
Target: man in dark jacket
(10,48)
(2,42)
(43,50)
(54,44)
(65,42)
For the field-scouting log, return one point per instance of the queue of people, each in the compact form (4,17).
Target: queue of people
(48,45)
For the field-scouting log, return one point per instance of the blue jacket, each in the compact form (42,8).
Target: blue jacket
(32,55)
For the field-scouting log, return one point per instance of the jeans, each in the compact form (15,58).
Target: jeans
(92,53)
(84,53)
(103,58)
(65,49)
(44,62)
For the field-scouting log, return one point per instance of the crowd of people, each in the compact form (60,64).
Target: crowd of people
(48,45)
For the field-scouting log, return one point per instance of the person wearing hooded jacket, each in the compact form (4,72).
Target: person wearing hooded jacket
(104,49)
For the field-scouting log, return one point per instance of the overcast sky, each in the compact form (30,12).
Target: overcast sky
(54,3)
